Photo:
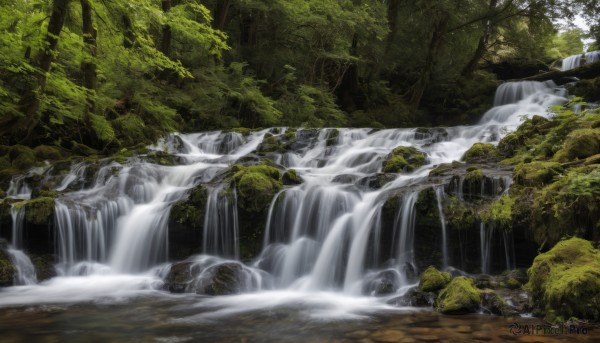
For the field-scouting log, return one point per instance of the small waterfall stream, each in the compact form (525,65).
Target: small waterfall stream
(325,234)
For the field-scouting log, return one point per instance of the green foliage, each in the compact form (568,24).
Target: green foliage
(459,216)
(565,281)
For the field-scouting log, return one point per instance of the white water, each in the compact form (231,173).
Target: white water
(576,61)
(322,235)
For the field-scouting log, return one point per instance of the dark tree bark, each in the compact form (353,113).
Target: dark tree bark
(128,34)
(88,66)
(30,101)
(221,13)
(165,41)
(469,69)
(437,38)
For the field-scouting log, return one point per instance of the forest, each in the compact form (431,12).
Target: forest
(91,76)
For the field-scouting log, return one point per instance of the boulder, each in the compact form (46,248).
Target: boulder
(433,280)
(404,159)
(565,281)
(459,297)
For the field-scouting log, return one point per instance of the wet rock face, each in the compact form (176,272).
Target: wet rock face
(218,279)
(382,283)
(414,297)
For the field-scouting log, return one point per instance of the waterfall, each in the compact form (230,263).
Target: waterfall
(221,229)
(24,267)
(485,240)
(404,225)
(345,227)
(439,194)
(576,61)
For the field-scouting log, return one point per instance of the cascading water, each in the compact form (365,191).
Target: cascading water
(325,234)
(25,271)
(576,61)
(439,194)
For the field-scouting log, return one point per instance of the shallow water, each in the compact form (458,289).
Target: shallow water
(260,317)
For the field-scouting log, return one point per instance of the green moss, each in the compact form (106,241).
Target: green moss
(433,280)
(459,216)
(332,137)
(190,212)
(21,157)
(509,145)
(83,150)
(579,144)
(45,152)
(403,159)
(512,283)
(565,281)
(537,173)
(256,185)
(500,212)
(291,177)
(474,176)
(459,297)
(481,152)
(569,206)
(7,270)
(38,211)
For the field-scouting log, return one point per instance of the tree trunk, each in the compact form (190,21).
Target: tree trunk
(128,34)
(88,66)
(220,14)
(434,45)
(30,101)
(469,69)
(392,17)
(165,41)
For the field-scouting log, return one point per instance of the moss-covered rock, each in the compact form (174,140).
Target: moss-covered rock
(565,281)
(459,297)
(223,279)
(44,266)
(332,137)
(499,212)
(179,277)
(568,206)
(481,152)
(579,144)
(459,215)
(493,303)
(433,280)
(190,212)
(38,211)
(404,159)
(46,152)
(256,186)
(21,157)
(291,177)
(7,269)
(537,173)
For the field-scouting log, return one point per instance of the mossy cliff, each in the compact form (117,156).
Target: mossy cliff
(565,281)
